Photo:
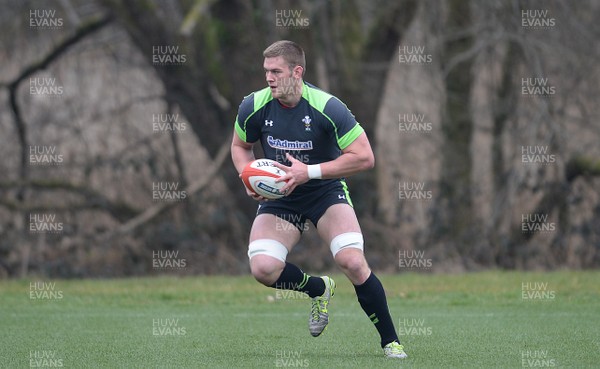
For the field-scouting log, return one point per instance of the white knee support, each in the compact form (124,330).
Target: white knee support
(268,247)
(346,240)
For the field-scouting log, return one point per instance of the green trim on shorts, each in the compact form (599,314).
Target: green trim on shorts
(345,188)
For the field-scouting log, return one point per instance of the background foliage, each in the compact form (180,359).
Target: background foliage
(479,190)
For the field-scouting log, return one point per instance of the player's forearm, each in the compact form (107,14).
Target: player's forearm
(355,158)
(346,165)
(241,157)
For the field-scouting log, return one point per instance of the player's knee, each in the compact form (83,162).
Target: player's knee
(267,260)
(347,249)
(352,261)
(265,269)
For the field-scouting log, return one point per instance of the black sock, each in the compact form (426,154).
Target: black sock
(292,278)
(371,297)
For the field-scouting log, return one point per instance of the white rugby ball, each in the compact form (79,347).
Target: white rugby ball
(259,177)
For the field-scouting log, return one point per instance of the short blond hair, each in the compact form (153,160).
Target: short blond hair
(291,52)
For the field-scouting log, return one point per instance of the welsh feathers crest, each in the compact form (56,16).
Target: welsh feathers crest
(307,120)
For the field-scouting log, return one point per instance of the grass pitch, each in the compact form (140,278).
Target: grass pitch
(480,320)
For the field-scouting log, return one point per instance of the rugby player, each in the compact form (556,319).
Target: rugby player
(317,142)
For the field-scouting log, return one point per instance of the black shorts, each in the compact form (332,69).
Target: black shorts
(307,204)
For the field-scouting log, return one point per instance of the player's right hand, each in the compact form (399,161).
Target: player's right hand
(255,196)
(252,194)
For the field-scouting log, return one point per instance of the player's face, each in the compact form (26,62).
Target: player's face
(283,80)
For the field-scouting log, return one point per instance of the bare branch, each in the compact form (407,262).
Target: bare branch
(160,208)
(86,29)
(93,198)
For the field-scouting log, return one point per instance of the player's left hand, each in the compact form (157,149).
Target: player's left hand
(295,175)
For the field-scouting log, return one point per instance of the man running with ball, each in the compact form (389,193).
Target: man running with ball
(317,142)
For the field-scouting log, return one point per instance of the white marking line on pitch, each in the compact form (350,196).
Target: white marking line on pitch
(244,315)
(505,314)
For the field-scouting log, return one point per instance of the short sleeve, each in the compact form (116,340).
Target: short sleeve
(244,127)
(347,129)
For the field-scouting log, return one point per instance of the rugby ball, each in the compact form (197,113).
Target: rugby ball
(259,177)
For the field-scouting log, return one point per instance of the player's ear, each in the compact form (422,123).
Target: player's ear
(297,71)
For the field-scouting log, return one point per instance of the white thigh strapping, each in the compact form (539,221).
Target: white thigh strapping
(268,247)
(347,240)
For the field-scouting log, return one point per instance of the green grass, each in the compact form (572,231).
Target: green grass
(469,320)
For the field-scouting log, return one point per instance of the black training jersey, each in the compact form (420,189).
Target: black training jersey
(314,131)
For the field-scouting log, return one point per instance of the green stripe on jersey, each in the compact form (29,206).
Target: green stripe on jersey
(318,99)
(240,132)
(261,98)
(349,137)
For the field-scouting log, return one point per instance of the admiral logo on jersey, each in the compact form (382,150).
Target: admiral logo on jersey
(289,145)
